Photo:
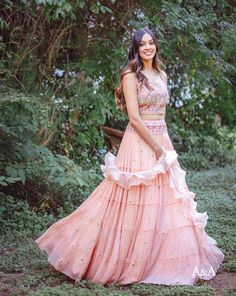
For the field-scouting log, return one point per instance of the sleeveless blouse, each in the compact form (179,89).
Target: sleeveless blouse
(154,100)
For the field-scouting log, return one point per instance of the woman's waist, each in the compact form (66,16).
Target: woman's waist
(152,116)
(154,125)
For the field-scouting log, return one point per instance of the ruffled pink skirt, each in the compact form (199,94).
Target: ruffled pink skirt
(140,224)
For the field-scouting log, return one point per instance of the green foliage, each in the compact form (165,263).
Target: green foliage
(206,152)
(197,44)
(19,217)
(24,158)
(78,117)
(201,150)
(197,41)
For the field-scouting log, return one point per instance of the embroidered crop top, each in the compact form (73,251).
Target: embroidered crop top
(153,101)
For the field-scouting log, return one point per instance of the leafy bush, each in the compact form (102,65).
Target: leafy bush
(24,159)
(201,151)
(17,216)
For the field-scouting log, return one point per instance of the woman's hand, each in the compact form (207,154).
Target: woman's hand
(160,153)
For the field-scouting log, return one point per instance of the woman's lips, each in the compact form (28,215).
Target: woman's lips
(148,53)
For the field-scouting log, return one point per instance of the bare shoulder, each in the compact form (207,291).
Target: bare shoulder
(130,76)
(164,75)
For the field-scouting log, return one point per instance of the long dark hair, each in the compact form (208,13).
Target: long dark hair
(135,64)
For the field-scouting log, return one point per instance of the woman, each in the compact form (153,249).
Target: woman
(140,224)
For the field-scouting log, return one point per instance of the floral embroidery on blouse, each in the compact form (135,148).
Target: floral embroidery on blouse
(157,95)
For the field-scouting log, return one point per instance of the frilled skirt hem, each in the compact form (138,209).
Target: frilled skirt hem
(139,225)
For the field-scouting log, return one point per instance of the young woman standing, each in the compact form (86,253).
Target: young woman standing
(140,224)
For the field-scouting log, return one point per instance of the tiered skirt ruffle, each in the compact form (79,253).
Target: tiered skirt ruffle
(140,224)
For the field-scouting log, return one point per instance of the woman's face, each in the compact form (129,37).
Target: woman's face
(147,48)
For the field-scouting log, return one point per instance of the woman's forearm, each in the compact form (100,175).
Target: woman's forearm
(145,134)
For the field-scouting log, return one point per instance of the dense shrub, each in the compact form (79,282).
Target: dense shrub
(27,163)
(203,150)
(17,216)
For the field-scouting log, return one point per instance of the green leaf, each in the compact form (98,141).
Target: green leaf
(11,171)
(12,180)
(3,183)
(105,9)
(81,4)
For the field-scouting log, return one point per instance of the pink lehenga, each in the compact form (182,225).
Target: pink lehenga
(140,224)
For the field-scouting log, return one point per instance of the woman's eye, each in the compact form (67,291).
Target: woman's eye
(151,43)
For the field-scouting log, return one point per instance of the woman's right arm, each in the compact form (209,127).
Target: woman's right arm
(130,94)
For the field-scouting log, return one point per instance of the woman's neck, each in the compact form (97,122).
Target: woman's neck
(147,65)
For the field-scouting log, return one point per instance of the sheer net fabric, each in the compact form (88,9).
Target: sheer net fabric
(140,224)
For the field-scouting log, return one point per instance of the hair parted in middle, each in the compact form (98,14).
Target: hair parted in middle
(135,65)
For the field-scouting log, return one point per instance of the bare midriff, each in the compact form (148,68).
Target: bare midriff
(152,116)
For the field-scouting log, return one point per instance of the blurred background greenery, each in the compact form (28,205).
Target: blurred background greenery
(60,62)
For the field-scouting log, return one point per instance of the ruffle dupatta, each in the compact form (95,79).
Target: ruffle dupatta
(145,177)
